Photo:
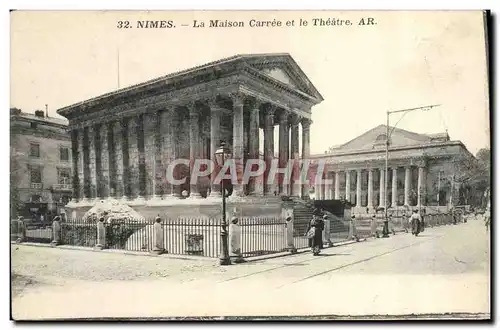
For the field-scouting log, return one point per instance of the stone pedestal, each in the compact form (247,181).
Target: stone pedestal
(101,235)
(289,235)
(56,233)
(157,238)
(235,243)
(326,234)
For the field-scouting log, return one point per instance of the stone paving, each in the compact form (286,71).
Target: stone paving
(444,270)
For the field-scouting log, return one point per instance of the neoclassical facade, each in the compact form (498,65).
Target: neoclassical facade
(123,141)
(420,171)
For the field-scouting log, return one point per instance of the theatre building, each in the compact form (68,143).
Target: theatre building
(40,164)
(422,171)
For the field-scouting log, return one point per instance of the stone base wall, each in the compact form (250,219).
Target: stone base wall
(245,207)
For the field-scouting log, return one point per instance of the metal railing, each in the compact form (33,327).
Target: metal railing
(36,185)
(260,236)
(62,186)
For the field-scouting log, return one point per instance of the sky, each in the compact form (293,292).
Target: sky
(408,59)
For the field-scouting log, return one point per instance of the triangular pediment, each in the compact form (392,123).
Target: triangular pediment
(281,75)
(376,137)
(283,68)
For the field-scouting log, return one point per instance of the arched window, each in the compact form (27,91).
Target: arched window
(381,137)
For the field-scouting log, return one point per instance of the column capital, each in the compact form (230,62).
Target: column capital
(238,98)
(294,119)
(283,116)
(306,123)
(253,103)
(269,109)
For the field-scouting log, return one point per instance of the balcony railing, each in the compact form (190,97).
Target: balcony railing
(62,186)
(36,185)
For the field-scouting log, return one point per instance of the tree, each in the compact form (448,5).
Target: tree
(471,176)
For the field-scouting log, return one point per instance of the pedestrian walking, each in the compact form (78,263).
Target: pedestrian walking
(315,232)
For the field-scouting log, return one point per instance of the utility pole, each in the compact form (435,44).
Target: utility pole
(385,231)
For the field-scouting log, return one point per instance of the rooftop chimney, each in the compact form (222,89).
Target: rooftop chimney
(39,113)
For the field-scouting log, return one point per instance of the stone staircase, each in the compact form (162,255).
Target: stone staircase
(302,212)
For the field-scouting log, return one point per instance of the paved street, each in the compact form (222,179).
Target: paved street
(444,270)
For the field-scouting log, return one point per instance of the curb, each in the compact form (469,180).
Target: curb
(115,251)
(179,256)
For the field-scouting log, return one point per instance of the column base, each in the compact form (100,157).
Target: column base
(215,195)
(54,243)
(98,247)
(195,196)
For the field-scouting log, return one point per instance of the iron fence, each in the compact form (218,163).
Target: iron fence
(260,236)
(192,236)
(79,233)
(29,231)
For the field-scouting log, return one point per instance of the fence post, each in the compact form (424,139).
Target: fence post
(374,231)
(235,241)
(289,235)
(353,235)
(326,232)
(101,235)
(157,237)
(56,232)
(21,228)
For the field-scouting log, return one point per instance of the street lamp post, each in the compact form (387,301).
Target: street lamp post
(385,231)
(221,154)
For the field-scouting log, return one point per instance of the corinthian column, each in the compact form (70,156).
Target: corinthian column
(167,153)
(215,139)
(420,184)
(238,101)
(348,185)
(294,145)
(306,126)
(194,132)
(118,159)
(255,184)
(87,182)
(141,157)
(125,148)
(268,145)
(382,188)
(93,141)
(81,165)
(104,157)
(370,189)
(394,187)
(283,151)
(407,185)
(337,185)
(358,188)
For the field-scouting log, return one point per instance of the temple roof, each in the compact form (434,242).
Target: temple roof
(280,67)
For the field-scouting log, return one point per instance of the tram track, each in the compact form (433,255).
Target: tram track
(316,258)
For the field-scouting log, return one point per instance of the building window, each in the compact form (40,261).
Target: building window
(36,198)
(34,150)
(34,125)
(64,154)
(64,176)
(35,174)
